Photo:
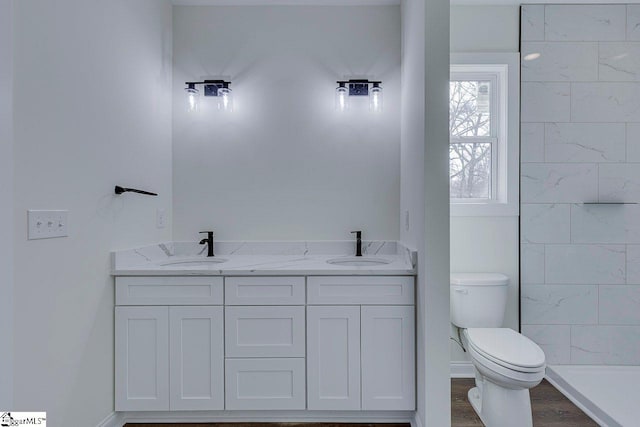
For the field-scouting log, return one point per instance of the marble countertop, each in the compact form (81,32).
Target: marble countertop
(261,259)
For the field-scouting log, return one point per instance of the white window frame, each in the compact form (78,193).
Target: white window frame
(503,69)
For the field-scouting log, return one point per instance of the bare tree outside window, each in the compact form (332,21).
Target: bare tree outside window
(470,146)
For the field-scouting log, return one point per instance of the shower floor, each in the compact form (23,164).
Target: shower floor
(608,393)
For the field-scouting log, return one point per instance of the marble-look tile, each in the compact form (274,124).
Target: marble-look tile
(585,264)
(555,341)
(410,255)
(585,142)
(608,345)
(619,183)
(619,61)
(545,102)
(532,142)
(605,223)
(605,102)
(633,142)
(619,305)
(585,22)
(554,62)
(559,304)
(544,223)
(558,182)
(532,22)
(532,263)
(633,22)
(633,264)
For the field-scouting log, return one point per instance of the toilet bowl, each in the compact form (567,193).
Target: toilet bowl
(506,363)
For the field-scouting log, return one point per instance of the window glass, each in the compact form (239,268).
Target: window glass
(470,170)
(469,108)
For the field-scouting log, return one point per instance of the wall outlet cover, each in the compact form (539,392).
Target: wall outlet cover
(161,218)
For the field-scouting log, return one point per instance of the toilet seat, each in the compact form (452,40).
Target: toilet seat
(507,348)
(506,377)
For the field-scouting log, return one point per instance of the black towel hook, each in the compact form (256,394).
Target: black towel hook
(120,190)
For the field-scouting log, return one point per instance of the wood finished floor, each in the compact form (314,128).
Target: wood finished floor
(550,409)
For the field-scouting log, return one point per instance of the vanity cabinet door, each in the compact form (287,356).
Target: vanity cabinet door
(142,358)
(333,357)
(196,358)
(388,358)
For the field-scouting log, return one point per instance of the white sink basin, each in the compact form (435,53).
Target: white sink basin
(199,262)
(358,261)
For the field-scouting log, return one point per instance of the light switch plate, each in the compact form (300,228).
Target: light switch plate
(47,224)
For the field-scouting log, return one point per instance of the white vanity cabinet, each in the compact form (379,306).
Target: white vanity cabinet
(169,357)
(201,343)
(361,357)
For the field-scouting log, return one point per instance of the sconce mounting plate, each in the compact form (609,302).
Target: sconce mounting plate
(211,89)
(358,89)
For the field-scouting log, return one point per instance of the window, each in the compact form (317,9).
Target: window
(483,131)
(473,137)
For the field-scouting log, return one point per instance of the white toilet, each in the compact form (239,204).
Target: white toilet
(506,363)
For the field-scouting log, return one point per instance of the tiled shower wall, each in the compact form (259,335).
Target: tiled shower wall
(580,264)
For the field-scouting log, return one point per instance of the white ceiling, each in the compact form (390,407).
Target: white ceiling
(284,2)
(381,2)
(519,2)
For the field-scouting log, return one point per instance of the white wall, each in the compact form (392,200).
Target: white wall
(285,157)
(412,172)
(92,109)
(6,207)
(425,196)
(485,28)
(485,243)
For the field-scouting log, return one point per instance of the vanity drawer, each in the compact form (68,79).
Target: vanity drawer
(264,291)
(267,331)
(373,290)
(160,290)
(265,384)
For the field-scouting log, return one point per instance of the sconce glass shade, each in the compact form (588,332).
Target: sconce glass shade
(225,99)
(192,98)
(342,97)
(375,98)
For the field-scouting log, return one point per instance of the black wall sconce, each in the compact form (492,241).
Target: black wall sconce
(359,87)
(217,88)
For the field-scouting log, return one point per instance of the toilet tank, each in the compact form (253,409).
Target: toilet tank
(478,300)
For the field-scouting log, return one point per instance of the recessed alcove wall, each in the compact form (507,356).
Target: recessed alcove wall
(285,165)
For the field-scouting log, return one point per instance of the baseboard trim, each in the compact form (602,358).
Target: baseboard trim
(462,370)
(268,416)
(114,419)
(416,422)
(578,399)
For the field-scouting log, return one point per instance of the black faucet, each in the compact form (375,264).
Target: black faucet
(208,241)
(358,242)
